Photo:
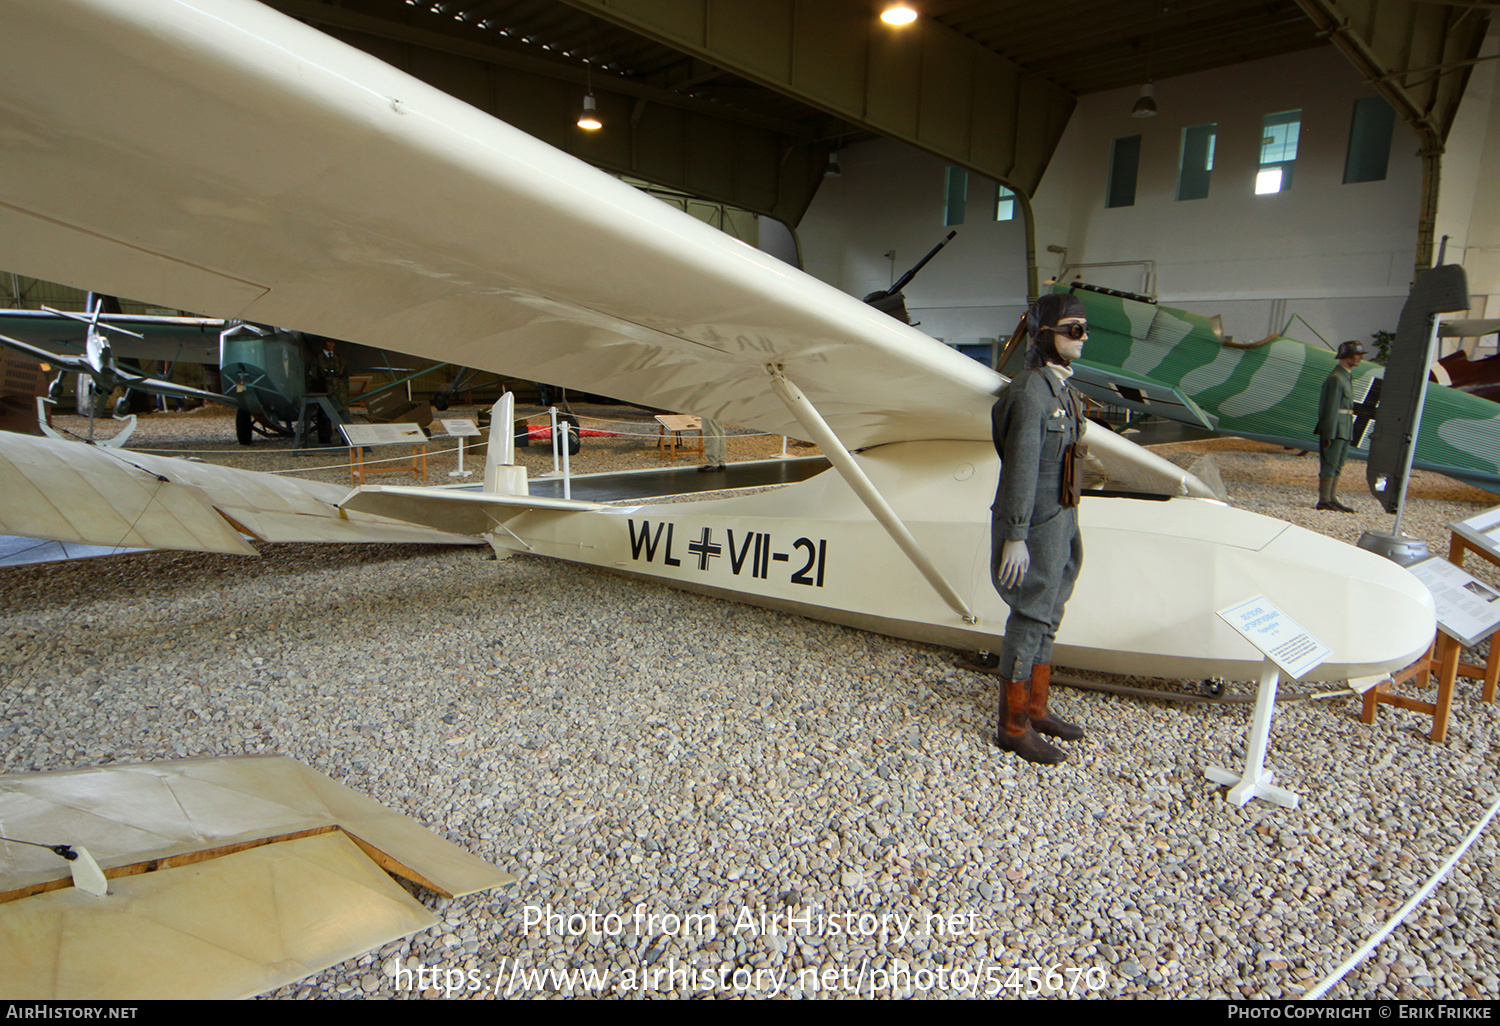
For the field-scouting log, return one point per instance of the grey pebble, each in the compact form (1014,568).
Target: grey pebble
(618,745)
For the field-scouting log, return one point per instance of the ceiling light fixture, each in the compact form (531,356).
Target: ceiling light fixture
(898,14)
(833,170)
(1145,106)
(589,119)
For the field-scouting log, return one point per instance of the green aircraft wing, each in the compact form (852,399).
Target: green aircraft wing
(1266,390)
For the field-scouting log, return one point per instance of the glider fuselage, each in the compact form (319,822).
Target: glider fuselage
(1155,570)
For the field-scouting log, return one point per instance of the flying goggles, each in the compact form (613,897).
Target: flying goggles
(1074,331)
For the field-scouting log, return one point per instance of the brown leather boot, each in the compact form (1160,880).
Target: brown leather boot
(1041,720)
(1015,733)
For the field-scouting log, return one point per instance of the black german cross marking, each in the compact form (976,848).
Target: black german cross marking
(704,548)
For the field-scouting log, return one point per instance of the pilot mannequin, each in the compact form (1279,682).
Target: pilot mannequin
(1036,551)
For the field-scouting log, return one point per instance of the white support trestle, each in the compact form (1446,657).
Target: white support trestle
(1256,781)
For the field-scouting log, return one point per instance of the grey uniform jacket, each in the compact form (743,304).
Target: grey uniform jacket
(1033,422)
(1335,406)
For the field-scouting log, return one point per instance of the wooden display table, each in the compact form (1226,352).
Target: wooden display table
(417,468)
(1468,612)
(1441,663)
(1490,671)
(673,427)
(363,437)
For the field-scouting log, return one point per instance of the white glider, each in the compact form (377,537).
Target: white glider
(217,156)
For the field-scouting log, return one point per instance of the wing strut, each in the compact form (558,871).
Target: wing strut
(819,431)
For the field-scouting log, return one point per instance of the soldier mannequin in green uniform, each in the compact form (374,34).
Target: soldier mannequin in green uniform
(1036,550)
(330,374)
(1336,425)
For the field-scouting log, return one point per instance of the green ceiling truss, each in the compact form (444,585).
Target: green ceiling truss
(923,84)
(762,164)
(1417,54)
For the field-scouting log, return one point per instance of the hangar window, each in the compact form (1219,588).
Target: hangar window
(1278,151)
(1369,141)
(955,196)
(1124,161)
(1005,204)
(1196,161)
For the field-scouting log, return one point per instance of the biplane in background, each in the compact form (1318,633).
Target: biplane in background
(1170,363)
(415,221)
(265,371)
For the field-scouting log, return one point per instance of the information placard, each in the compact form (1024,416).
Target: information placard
(1482,530)
(383,434)
(1294,651)
(1467,609)
(460,428)
(679,422)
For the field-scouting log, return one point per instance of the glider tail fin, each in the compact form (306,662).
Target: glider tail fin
(502,475)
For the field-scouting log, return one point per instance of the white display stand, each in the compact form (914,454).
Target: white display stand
(460,429)
(1256,781)
(1289,649)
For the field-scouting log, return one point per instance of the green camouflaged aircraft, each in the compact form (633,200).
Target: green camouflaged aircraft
(1169,363)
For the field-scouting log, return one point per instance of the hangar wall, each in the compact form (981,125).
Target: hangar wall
(1339,255)
(890,197)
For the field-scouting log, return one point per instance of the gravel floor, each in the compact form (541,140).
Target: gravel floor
(674,760)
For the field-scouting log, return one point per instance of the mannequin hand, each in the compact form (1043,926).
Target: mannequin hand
(1327,442)
(1015,560)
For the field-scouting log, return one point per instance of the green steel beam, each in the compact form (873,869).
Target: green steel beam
(766,165)
(924,83)
(1417,55)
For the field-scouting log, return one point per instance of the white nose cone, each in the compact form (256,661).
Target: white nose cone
(1374,615)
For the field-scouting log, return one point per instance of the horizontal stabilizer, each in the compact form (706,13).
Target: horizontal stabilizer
(457,512)
(71,492)
(1469,328)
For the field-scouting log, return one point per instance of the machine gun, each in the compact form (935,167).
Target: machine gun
(891,300)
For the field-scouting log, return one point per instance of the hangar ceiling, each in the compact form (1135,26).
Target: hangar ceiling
(741,102)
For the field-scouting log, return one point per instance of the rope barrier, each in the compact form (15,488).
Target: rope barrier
(1401,913)
(345,466)
(242,453)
